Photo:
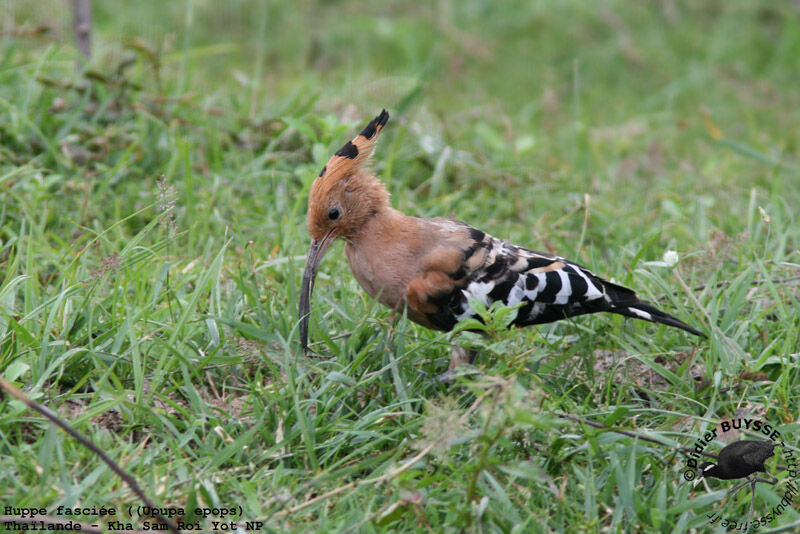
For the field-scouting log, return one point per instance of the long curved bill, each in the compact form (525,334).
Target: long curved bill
(315,253)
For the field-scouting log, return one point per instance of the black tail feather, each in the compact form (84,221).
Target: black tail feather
(650,313)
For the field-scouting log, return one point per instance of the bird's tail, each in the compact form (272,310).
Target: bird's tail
(621,300)
(648,312)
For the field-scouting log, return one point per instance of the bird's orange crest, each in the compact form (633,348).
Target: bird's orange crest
(354,153)
(343,195)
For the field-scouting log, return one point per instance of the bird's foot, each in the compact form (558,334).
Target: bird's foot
(450,376)
(461,356)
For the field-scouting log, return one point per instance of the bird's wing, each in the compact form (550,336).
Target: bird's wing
(752,454)
(548,287)
(436,295)
(473,264)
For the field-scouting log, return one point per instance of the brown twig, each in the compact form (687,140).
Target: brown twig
(82,25)
(128,479)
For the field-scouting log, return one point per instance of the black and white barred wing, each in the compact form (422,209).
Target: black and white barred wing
(549,287)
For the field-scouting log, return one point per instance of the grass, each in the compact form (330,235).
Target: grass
(152,233)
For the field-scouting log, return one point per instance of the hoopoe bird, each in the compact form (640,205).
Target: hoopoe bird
(432,267)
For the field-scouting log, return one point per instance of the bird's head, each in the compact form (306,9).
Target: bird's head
(342,199)
(703,470)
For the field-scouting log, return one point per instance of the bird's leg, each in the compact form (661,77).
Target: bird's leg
(771,481)
(461,356)
(737,487)
(734,490)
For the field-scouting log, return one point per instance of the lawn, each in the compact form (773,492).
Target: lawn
(153,236)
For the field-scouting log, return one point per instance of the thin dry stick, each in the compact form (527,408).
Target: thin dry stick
(586,198)
(82,25)
(128,479)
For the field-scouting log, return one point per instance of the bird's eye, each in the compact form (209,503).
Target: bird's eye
(333,214)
